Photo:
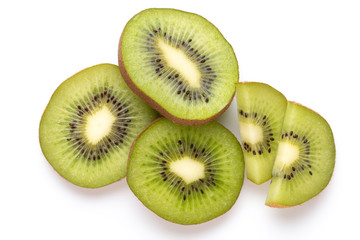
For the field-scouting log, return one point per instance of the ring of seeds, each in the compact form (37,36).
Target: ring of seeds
(88,106)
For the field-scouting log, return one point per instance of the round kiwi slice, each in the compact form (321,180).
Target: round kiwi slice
(305,158)
(186,174)
(179,63)
(261,110)
(89,125)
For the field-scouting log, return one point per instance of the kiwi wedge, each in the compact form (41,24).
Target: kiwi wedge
(261,110)
(186,174)
(89,125)
(305,158)
(179,63)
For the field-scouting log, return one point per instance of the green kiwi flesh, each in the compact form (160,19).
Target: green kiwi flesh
(305,159)
(186,174)
(261,110)
(89,124)
(179,63)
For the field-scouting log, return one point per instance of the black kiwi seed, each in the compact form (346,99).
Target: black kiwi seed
(303,161)
(161,71)
(265,146)
(83,109)
(189,149)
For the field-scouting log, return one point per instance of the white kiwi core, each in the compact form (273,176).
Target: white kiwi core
(251,133)
(99,124)
(178,60)
(188,169)
(286,155)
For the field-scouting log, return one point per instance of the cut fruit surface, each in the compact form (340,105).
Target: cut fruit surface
(177,59)
(98,124)
(305,160)
(188,169)
(186,174)
(179,63)
(261,110)
(89,125)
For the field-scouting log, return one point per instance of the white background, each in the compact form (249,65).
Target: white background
(308,50)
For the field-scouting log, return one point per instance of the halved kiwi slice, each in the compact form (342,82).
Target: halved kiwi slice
(305,159)
(179,63)
(186,174)
(89,125)
(261,110)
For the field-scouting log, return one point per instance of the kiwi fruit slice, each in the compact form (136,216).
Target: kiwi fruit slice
(179,63)
(89,125)
(186,174)
(305,158)
(261,110)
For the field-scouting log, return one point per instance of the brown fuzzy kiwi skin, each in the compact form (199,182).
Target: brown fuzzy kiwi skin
(158,107)
(275,205)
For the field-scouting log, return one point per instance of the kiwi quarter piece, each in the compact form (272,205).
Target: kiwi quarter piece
(179,63)
(186,174)
(89,125)
(305,159)
(261,110)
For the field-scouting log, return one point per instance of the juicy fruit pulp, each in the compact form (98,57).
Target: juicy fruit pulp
(179,63)
(89,125)
(186,174)
(261,110)
(284,140)
(305,160)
